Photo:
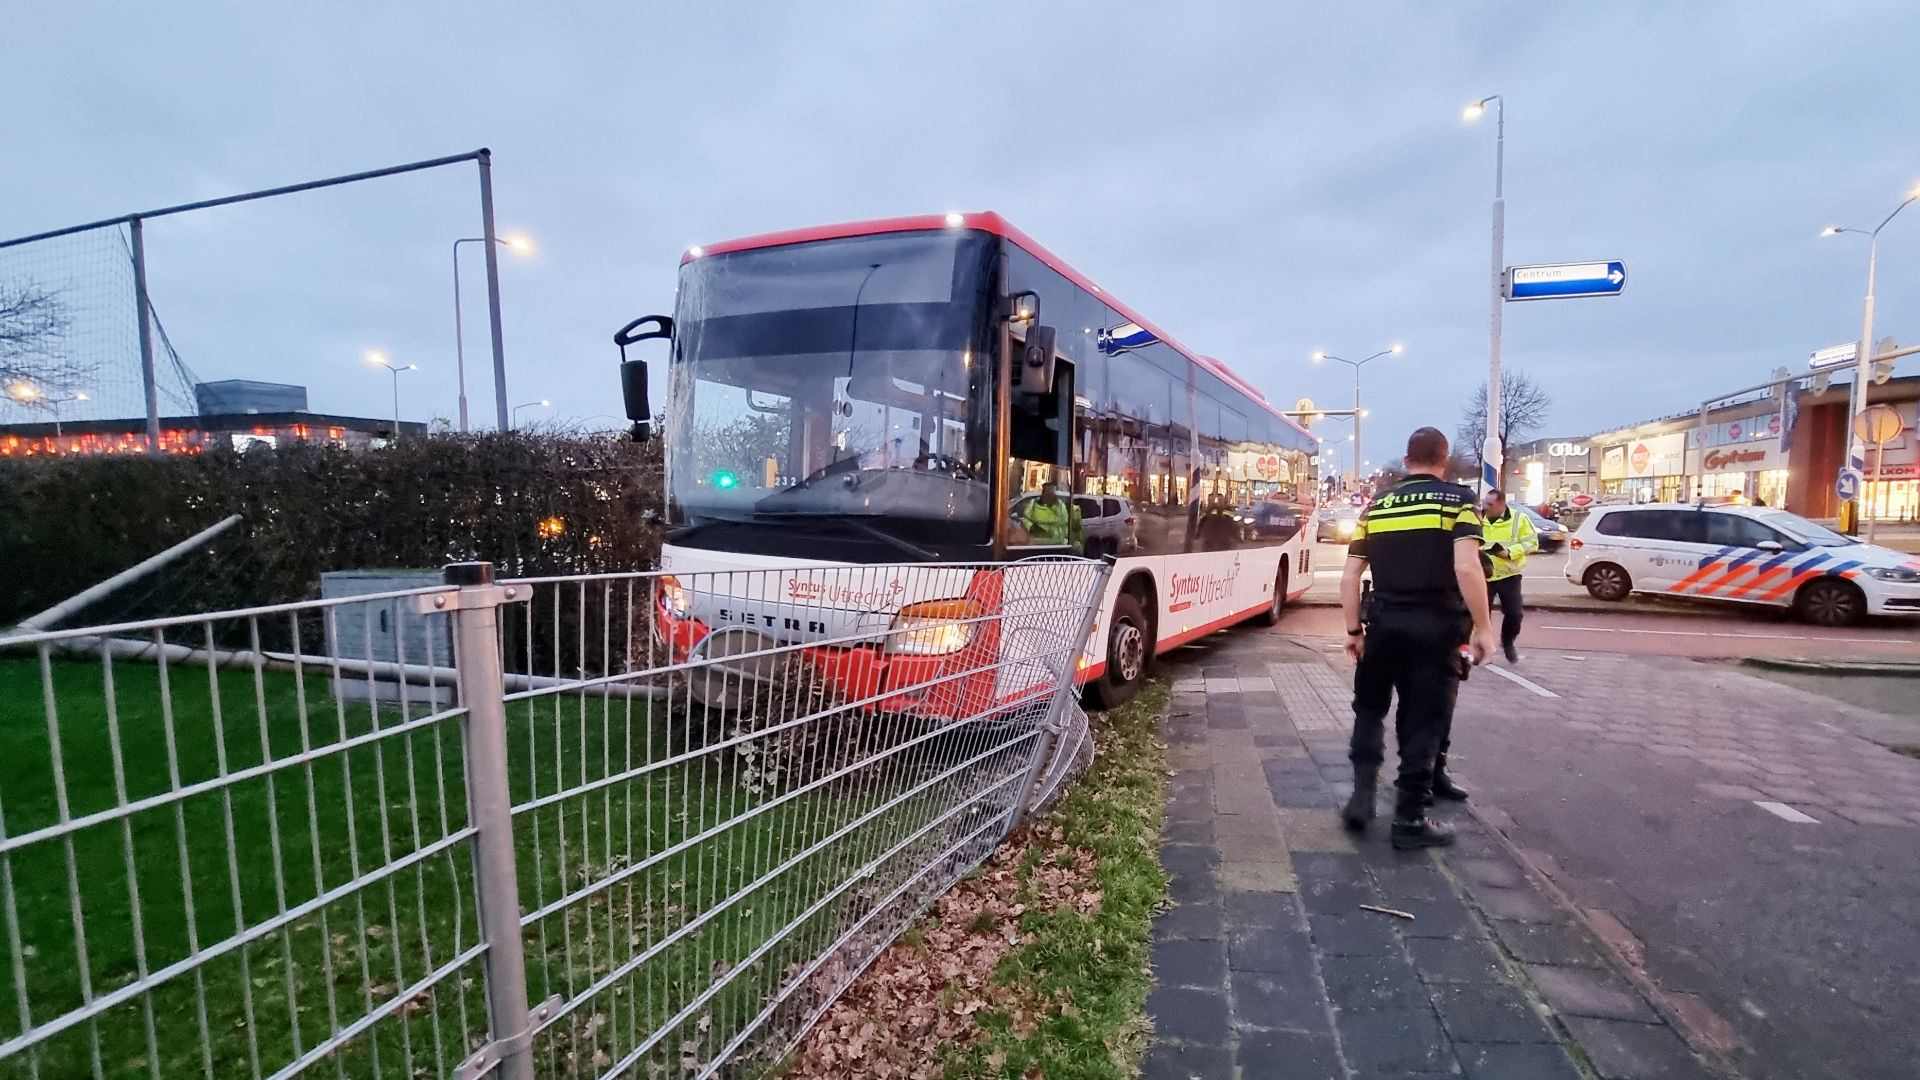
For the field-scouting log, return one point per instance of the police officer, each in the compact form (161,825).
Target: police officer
(1421,538)
(1052,520)
(1508,537)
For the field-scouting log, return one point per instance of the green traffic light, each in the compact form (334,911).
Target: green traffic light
(724,480)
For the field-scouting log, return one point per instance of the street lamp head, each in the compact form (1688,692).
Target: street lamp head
(1476,110)
(376,358)
(411,367)
(1395,350)
(23,391)
(544,401)
(519,243)
(80,395)
(1831,230)
(1318,356)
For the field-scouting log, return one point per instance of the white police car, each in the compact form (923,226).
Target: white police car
(1750,554)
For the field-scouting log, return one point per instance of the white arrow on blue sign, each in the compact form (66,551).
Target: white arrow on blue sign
(1847,484)
(1552,281)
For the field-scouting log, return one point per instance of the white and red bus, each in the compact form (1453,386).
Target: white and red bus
(891,391)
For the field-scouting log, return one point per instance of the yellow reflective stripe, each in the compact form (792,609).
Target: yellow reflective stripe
(1412,523)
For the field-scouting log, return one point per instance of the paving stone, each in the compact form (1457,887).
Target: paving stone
(1289,1055)
(1371,982)
(1182,1015)
(1623,1050)
(1165,1062)
(1256,909)
(1336,869)
(1456,960)
(1193,922)
(1344,935)
(1413,882)
(1285,952)
(1515,1061)
(1271,999)
(1517,905)
(1256,877)
(1200,964)
(1187,832)
(1532,943)
(1392,1040)
(1442,918)
(1488,1013)
(1589,992)
(1313,829)
(1323,897)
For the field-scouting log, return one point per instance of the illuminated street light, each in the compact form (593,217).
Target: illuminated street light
(1319,355)
(528,405)
(381,359)
(1492,453)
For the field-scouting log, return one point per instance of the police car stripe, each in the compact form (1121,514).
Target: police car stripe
(1708,565)
(1772,568)
(1734,570)
(1813,567)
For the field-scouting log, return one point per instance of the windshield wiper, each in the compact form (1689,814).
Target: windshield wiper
(855,523)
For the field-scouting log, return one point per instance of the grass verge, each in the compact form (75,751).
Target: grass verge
(1037,964)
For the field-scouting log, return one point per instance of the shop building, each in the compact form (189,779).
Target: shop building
(1819,449)
(1552,470)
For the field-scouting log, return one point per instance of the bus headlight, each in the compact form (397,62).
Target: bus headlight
(934,627)
(672,595)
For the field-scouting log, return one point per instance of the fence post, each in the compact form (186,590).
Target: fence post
(1050,728)
(490,809)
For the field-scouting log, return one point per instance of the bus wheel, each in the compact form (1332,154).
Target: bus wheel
(1129,650)
(1271,616)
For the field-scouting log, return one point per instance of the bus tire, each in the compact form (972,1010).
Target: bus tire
(1129,654)
(1271,616)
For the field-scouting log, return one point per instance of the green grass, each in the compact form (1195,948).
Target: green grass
(357,808)
(1082,982)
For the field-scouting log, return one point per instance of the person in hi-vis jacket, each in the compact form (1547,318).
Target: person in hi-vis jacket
(1507,537)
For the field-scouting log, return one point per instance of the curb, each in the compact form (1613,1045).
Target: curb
(1832,667)
(1628,607)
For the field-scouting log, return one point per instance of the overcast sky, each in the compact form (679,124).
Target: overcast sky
(1261,179)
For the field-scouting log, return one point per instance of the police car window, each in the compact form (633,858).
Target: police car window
(1620,524)
(1110,506)
(1681,526)
(1737,531)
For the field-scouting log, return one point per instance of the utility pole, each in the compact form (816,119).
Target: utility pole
(1491,452)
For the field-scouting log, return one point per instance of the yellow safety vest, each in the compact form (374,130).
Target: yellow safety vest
(1515,532)
(1058,524)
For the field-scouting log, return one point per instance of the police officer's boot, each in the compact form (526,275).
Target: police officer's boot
(1443,785)
(1359,808)
(1413,829)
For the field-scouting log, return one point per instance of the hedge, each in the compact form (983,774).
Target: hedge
(532,504)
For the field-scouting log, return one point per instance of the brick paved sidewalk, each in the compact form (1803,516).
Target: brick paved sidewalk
(1270,967)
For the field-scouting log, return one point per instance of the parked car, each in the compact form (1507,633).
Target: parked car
(1553,535)
(1335,524)
(1749,554)
(1107,520)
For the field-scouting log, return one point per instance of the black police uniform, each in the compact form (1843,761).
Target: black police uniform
(1416,622)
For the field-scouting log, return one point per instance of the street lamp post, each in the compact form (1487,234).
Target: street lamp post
(1392,350)
(381,360)
(1863,367)
(459,343)
(1492,453)
(528,405)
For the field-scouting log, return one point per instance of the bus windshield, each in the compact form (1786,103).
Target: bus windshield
(835,379)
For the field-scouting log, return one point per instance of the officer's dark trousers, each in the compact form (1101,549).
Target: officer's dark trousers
(1507,592)
(1410,651)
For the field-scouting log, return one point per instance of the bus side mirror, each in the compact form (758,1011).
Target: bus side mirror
(633,373)
(1036,360)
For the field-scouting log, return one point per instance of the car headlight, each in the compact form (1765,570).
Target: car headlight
(1894,573)
(1347,527)
(934,627)
(675,597)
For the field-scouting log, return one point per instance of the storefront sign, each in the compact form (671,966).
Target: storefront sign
(1613,463)
(1566,449)
(1658,456)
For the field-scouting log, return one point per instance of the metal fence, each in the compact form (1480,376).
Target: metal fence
(630,824)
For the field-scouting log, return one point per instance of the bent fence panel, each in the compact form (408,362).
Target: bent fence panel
(220,860)
(276,842)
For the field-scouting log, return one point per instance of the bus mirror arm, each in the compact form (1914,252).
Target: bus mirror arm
(633,373)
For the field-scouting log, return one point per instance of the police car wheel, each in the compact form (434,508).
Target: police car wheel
(1605,581)
(1830,602)
(1129,650)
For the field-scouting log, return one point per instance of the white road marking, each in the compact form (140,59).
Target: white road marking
(1785,812)
(1723,634)
(1528,683)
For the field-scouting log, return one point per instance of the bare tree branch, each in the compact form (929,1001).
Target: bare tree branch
(1523,410)
(34,323)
